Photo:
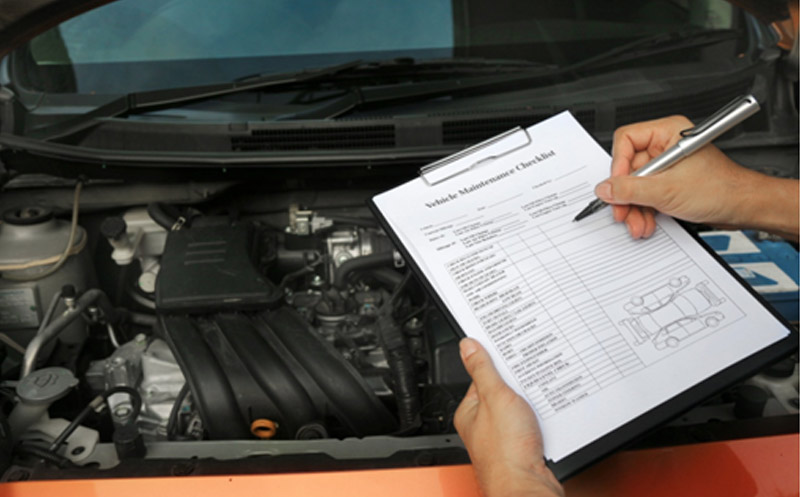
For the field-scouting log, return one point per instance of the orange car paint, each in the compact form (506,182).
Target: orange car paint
(742,468)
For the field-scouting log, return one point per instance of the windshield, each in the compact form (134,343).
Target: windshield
(138,45)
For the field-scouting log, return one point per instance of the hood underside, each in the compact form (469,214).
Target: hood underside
(21,20)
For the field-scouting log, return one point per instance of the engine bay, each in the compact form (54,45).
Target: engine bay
(222,330)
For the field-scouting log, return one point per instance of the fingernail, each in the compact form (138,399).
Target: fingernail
(468,348)
(603,191)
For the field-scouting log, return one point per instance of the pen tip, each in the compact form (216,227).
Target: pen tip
(590,209)
(582,214)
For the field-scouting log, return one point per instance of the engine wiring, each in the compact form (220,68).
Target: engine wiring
(173,424)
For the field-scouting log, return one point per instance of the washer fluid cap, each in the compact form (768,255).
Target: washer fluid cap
(46,385)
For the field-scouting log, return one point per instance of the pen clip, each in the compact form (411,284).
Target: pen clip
(721,113)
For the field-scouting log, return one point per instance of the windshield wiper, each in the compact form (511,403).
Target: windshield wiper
(521,73)
(156,99)
(649,46)
(637,49)
(140,102)
(410,66)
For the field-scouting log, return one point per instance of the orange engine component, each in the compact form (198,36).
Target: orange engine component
(264,428)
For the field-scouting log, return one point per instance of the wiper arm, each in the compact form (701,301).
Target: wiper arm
(151,100)
(135,103)
(466,63)
(656,44)
(524,73)
(637,49)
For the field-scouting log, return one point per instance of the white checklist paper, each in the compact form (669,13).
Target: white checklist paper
(592,327)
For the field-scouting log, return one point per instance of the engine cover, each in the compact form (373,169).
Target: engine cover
(210,268)
(271,365)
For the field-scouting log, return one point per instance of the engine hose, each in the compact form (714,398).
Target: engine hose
(136,408)
(389,277)
(359,263)
(42,453)
(89,298)
(164,215)
(402,366)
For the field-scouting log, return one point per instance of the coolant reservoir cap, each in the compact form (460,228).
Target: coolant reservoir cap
(25,216)
(46,385)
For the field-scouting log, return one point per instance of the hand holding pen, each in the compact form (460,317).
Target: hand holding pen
(704,187)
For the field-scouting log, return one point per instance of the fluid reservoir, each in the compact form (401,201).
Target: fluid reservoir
(31,242)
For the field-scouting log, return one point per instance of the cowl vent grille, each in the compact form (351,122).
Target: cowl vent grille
(695,106)
(315,138)
(475,130)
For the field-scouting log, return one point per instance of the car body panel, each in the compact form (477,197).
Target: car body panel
(766,466)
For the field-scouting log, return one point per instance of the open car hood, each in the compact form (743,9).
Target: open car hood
(21,20)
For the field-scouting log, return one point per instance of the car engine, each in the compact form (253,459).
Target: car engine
(221,329)
(171,327)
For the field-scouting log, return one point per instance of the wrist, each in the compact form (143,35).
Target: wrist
(522,483)
(769,204)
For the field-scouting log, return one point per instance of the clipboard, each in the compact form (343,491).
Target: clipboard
(511,141)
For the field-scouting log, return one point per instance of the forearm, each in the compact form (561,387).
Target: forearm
(769,204)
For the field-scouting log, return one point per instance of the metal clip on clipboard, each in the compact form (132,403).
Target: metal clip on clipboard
(469,158)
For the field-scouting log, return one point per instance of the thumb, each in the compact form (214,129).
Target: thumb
(479,366)
(624,190)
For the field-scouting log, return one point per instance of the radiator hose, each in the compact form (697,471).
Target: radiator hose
(165,215)
(360,263)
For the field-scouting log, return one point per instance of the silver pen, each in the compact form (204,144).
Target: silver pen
(693,139)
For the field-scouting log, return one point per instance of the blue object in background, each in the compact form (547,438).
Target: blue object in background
(719,243)
(771,267)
